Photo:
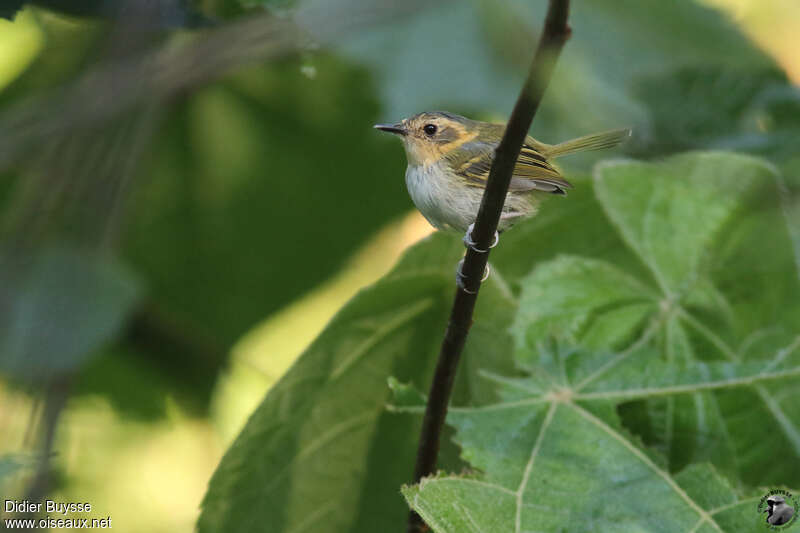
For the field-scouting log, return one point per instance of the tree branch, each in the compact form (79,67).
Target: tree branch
(554,35)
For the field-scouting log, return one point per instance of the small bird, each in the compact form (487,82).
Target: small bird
(778,512)
(449,158)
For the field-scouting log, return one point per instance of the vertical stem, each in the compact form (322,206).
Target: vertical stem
(54,402)
(555,34)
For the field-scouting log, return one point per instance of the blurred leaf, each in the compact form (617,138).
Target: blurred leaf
(67,48)
(251,193)
(711,106)
(274,158)
(229,9)
(10,464)
(165,13)
(321,448)
(60,307)
(136,386)
(9,8)
(458,70)
(591,89)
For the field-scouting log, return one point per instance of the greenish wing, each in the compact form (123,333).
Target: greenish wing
(473,161)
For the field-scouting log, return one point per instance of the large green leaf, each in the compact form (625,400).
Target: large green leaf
(566,468)
(662,353)
(248,169)
(556,438)
(321,452)
(674,215)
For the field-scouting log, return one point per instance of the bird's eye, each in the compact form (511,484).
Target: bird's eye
(429,129)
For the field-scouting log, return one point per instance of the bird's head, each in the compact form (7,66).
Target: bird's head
(776,501)
(431,135)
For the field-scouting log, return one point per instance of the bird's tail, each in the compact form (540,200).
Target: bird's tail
(598,141)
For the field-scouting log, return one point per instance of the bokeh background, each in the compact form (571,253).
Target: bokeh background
(189,192)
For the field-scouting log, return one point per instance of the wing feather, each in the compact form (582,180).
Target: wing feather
(533,171)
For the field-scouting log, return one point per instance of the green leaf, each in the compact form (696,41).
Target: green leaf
(565,445)
(248,167)
(476,51)
(564,295)
(670,213)
(634,379)
(58,307)
(219,188)
(239,169)
(676,216)
(322,449)
(572,225)
(405,397)
(757,267)
(755,110)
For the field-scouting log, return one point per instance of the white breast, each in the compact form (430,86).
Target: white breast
(442,201)
(449,204)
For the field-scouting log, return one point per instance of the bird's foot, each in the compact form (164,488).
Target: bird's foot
(461,277)
(469,243)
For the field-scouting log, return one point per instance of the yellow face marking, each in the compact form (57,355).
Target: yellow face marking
(424,150)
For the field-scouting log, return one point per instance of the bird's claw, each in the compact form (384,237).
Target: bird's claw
(469,243)
(461,277)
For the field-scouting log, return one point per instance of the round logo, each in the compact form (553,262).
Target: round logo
(779,508)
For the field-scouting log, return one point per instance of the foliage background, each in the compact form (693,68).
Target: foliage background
(167,256)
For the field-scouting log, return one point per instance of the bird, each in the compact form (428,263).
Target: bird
(778,512)
(449,157)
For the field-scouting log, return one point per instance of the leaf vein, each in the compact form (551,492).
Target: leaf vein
(529,467)
(704,515)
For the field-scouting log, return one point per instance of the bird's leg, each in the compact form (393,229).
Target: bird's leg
(460,276)
(469,243)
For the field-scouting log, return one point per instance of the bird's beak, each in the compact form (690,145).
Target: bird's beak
(397,129)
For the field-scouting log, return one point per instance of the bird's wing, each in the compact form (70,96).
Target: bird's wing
(473,161)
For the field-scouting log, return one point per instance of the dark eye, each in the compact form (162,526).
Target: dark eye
(429,129)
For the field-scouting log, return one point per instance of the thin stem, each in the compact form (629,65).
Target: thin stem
(555,34)
(54,402)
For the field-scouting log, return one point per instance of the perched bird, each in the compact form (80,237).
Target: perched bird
(449,157)
(778,512)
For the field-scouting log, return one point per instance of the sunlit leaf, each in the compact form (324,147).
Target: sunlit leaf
(321,450)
